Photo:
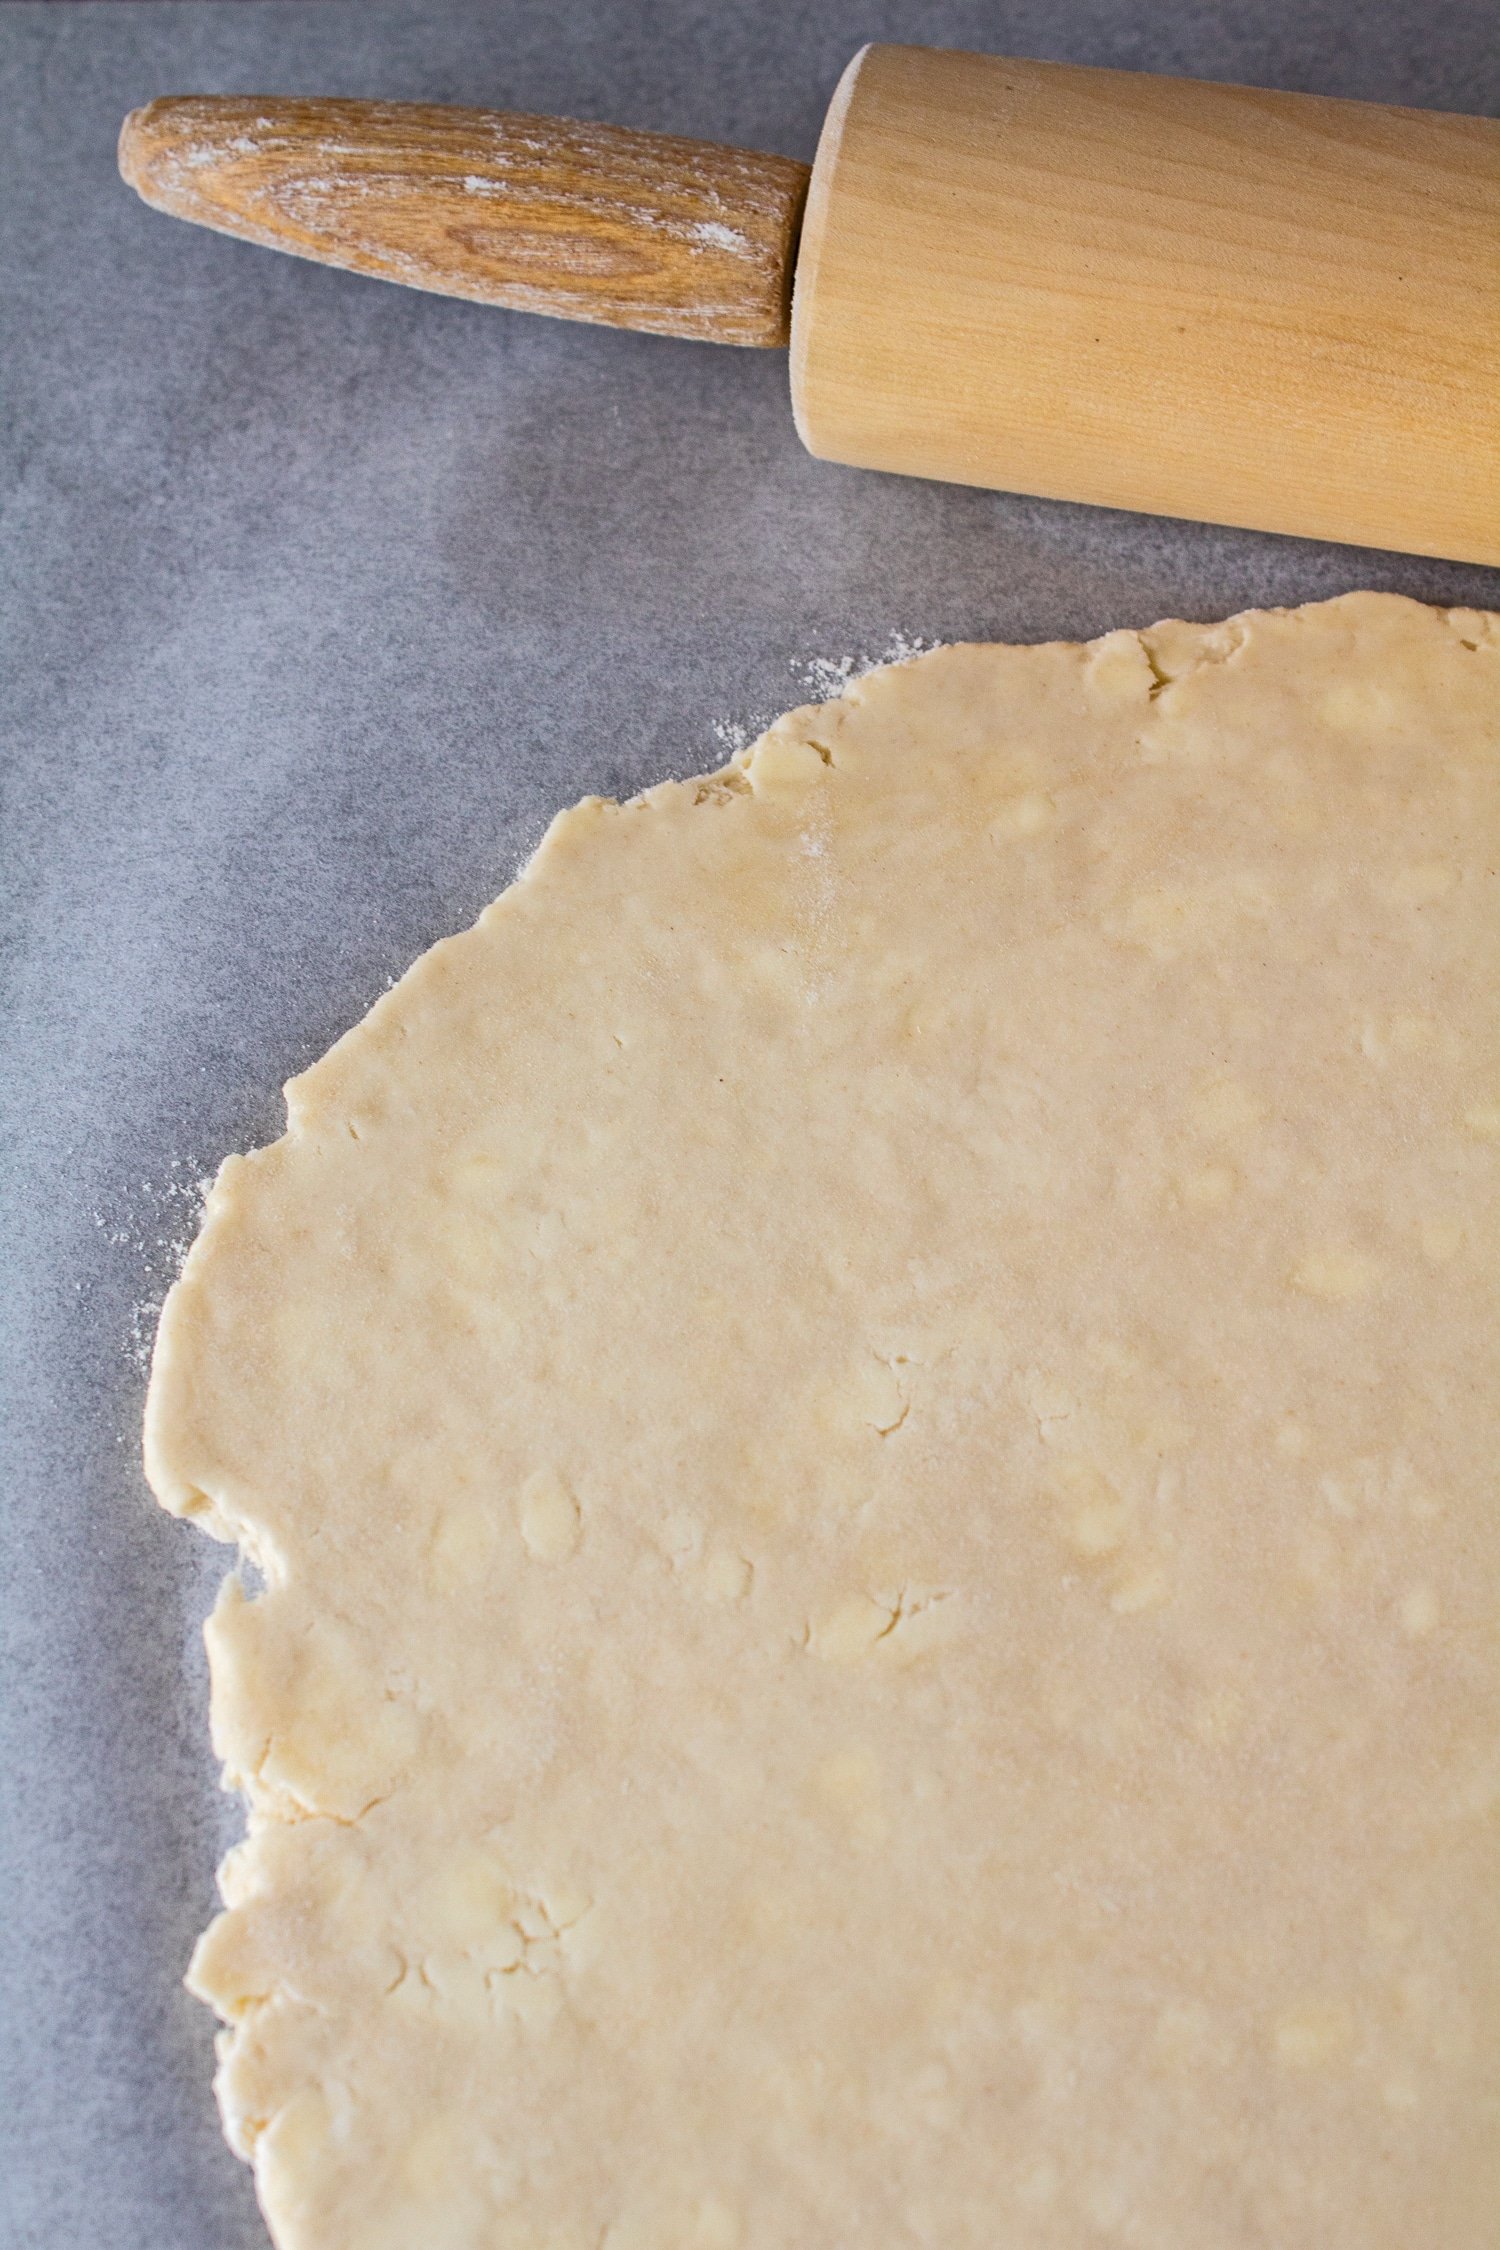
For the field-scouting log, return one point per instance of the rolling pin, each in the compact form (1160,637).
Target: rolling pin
(1273,310)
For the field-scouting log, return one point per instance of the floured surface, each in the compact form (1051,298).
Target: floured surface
(870,1417)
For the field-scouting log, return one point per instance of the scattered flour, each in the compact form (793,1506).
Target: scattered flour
(823,677)
(154,1224)
(828,676)
(737,734)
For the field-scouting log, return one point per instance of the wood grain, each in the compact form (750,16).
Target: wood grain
(586,222)
(1245,307)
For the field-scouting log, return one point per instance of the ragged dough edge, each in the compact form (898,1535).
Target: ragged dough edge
(1141,674)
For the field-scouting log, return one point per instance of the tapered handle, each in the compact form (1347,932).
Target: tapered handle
(588,222)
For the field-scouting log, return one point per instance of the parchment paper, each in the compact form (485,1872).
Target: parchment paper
(318,598)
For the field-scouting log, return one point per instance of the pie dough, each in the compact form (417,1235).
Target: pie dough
(866,1425)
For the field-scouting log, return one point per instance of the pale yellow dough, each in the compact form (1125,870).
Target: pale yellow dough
(870,1419)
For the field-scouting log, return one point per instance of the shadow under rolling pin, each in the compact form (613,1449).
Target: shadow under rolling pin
(1238,306)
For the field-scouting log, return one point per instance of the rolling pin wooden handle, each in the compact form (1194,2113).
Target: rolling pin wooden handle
(588,222)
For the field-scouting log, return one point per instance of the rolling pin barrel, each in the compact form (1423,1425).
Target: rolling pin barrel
(1266,309)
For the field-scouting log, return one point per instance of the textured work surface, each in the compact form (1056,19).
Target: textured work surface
(318,599)
(867,1421)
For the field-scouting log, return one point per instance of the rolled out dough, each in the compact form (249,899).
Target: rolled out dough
(868,1421)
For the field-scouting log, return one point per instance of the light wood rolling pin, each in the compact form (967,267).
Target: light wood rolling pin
(1266,309)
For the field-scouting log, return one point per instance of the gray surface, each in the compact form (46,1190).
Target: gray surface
(319,597)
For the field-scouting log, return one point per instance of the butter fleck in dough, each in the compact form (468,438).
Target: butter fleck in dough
(868,1422)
